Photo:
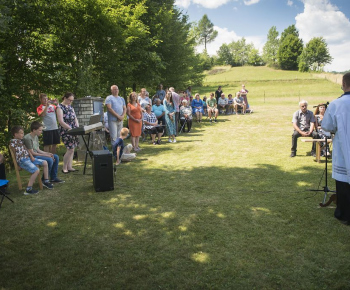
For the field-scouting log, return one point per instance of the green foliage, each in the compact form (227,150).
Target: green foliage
(254,57)
(270,48)
(289,30)
(239,53)
(225,56)
(315,55)
(84,46)
(288,53)
(206,62)
(205,31)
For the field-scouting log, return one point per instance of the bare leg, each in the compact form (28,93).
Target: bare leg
(53,149)
(45,169)
(32,178)
(47,148)
(70,160)
(67,160)
(133,142)
(137,141)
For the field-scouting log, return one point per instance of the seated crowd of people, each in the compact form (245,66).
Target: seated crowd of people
(168,112)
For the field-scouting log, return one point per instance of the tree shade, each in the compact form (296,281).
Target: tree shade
(85,46)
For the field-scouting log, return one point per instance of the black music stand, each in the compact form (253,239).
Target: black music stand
(325,188)
(88,152)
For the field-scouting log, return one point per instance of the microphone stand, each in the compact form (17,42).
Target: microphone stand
(325,188)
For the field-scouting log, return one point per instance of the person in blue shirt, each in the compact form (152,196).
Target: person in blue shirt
(121,152)
(197,107)
(116,110)
(159,110)
(160,94)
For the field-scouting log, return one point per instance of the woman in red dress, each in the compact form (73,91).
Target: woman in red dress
(134,113)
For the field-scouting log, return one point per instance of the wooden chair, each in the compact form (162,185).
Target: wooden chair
(18,169)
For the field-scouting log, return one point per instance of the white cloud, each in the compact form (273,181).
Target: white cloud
(183,3)
(290,3)
(321,18)
(205,3)
(226,36)
(250,2)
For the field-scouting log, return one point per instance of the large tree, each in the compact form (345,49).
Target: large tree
(291,47)
(84,46)
(270,48)
(315,55)
(225,55)
(205,31)
(239,53)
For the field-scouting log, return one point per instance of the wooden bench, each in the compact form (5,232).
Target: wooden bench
(318,146)
(18,169)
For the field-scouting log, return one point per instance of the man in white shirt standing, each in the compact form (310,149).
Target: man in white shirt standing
(337,120)
(116,110)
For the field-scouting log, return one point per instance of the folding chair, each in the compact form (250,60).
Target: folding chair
(3,185)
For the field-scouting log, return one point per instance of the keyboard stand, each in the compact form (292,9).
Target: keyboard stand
(88,152)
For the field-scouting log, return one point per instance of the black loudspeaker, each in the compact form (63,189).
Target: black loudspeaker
(102,170)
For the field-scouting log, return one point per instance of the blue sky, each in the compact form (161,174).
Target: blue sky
(252,19)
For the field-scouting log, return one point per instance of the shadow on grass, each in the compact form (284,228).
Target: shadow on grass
(195,228)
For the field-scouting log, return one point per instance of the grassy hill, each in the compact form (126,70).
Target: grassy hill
(268,86)
(224,208)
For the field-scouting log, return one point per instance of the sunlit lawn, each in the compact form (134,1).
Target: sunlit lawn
(224,208)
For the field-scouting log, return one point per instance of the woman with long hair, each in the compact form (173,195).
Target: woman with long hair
(170,117)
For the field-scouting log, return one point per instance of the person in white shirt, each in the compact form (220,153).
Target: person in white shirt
(337,120)
(223,103)
(238,102)
(116,110)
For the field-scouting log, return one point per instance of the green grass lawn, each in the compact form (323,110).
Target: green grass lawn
(224,208)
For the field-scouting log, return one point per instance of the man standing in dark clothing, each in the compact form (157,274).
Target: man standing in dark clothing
(218,93)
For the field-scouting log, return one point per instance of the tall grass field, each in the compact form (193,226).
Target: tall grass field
(223,208)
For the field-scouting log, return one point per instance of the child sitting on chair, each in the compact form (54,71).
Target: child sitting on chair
(26,161)
(121,152)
